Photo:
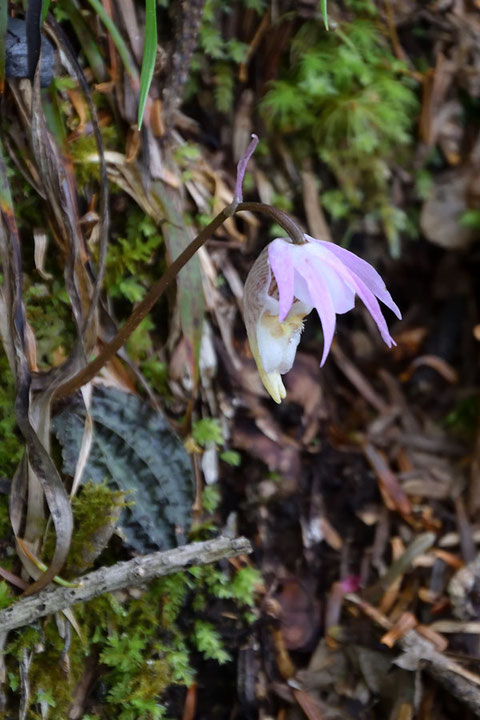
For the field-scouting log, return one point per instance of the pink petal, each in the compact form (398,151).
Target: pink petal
(342,295)
(367,274)
(351,583)
(365,295)
(322,301)
(371,303)
(281,263)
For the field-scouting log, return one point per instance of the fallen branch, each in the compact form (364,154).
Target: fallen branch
(132,573)
(420,654)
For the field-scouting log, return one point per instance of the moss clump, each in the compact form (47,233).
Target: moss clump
(143,641)
(140,647)
(96,510)
(132,261)
(135,683)
(84,153)
(49,313)
(54,673)
(346,99)
(25,639)
(11,448)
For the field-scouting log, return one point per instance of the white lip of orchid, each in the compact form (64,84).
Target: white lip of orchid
(277,344)
(273,343)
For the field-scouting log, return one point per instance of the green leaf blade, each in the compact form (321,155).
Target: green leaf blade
(323,10)
(149,57)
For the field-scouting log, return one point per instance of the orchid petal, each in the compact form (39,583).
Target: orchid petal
(341,292)
(369,276)
(370,302)
(271,381)
(322,301)
(279,254)
(255,291)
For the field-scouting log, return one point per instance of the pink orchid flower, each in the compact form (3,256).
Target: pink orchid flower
(284,285)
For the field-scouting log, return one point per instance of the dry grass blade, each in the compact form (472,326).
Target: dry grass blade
(47,475)
(189,280)
(419,545)
(87,439)
(59,187)
(44,472)
(74,68)
(393,495)
(13,579)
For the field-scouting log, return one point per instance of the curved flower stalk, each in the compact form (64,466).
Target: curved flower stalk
(284,285)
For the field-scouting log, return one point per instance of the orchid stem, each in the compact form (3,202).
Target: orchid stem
(143,307)
(293,230)
(241,168)
(157,290)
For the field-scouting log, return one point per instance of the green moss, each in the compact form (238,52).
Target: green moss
(207,431)
(132,253)
(95,512)
(143,639)
(140,646)
(51,676)
(209,642)
(135,681)
(6,596)
(218,55)
(346,99)
(462,421)
(11,447)
(84,148)
(49,313)
(139,344)
(96,509)
(25,639)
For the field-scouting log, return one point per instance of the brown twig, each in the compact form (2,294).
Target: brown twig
(419,653)
(132,573)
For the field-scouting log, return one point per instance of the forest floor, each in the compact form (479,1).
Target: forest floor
(360,493)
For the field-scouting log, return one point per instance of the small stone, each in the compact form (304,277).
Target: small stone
(16,55)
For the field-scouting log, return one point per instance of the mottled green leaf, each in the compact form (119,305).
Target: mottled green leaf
(135,450)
